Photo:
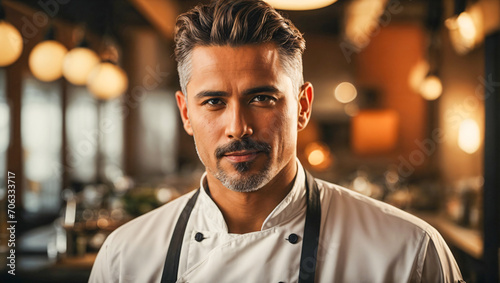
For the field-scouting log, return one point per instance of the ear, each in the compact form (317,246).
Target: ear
(305,100)
(182,104)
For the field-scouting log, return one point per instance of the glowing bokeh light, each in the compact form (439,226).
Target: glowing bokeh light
(78,63)
(107,81)
(431,88)
(345,92)
(46,60)
(469,138)
(11,44)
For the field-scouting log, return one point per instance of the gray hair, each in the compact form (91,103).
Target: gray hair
(236,23)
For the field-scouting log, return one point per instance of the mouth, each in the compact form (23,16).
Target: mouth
(241,156)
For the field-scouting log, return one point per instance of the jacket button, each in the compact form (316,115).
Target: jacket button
(293,238)
(199,237)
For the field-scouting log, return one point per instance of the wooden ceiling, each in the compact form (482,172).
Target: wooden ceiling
(101,16)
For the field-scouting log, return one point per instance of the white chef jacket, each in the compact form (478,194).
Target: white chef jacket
(361,240)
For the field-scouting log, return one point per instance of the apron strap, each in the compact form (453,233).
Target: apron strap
(309,245)
(311,231)
(171,266)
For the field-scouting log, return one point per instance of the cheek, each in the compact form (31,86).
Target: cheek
(206,133)
(269,128)
(289,120)
(279,130)
(288,132)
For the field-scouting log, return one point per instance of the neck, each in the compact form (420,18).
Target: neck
(246,212)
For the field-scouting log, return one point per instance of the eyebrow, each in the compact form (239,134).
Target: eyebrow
(250,91)
(261,89)
(210,93)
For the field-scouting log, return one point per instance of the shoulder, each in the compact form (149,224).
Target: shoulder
(362,230)
(370,212)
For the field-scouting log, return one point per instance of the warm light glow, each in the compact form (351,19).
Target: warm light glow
(318,155)
(431,88)
(469,138)
(374,131)
(345,92)
(362,185)
(102,223)
(299,4)
(78,63)
(391,177)
(362,21)
(107,81)
(11,44)
(46,60)
(418,74)
(466,27)
(351,109)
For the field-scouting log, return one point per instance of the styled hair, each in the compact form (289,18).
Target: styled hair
(236,23)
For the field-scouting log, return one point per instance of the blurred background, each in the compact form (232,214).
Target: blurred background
(407,111)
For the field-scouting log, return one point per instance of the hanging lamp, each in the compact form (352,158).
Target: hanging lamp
(11,41)
(46,58)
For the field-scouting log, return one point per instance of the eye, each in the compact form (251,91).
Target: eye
(213,102)
(264,99)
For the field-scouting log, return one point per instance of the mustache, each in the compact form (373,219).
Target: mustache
(240,145)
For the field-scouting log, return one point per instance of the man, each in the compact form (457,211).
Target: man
(258,216)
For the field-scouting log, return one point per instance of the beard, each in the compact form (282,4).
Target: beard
(243,181)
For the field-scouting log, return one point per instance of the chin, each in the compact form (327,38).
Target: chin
(243,178)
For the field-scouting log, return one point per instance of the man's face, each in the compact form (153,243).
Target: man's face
(243,113)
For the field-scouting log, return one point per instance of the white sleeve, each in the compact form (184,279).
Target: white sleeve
(101,272)
(436,262)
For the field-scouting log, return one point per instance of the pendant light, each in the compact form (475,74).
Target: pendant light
(78,63)
(107,80)
(46,58)
(299,4)
(431,87)
(471,24)
(11,41)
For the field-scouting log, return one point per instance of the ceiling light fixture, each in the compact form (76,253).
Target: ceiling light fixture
(79,62)
(46,58)
(299,4)
(107,81)
(431,87)
(11,41)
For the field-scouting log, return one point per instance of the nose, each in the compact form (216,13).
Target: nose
(238,125)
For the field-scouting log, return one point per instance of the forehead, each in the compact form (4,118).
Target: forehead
(234,58)
(213,66)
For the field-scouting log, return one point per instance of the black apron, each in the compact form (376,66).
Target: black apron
(309,243)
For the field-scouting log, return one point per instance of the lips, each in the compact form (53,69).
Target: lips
(241,156)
